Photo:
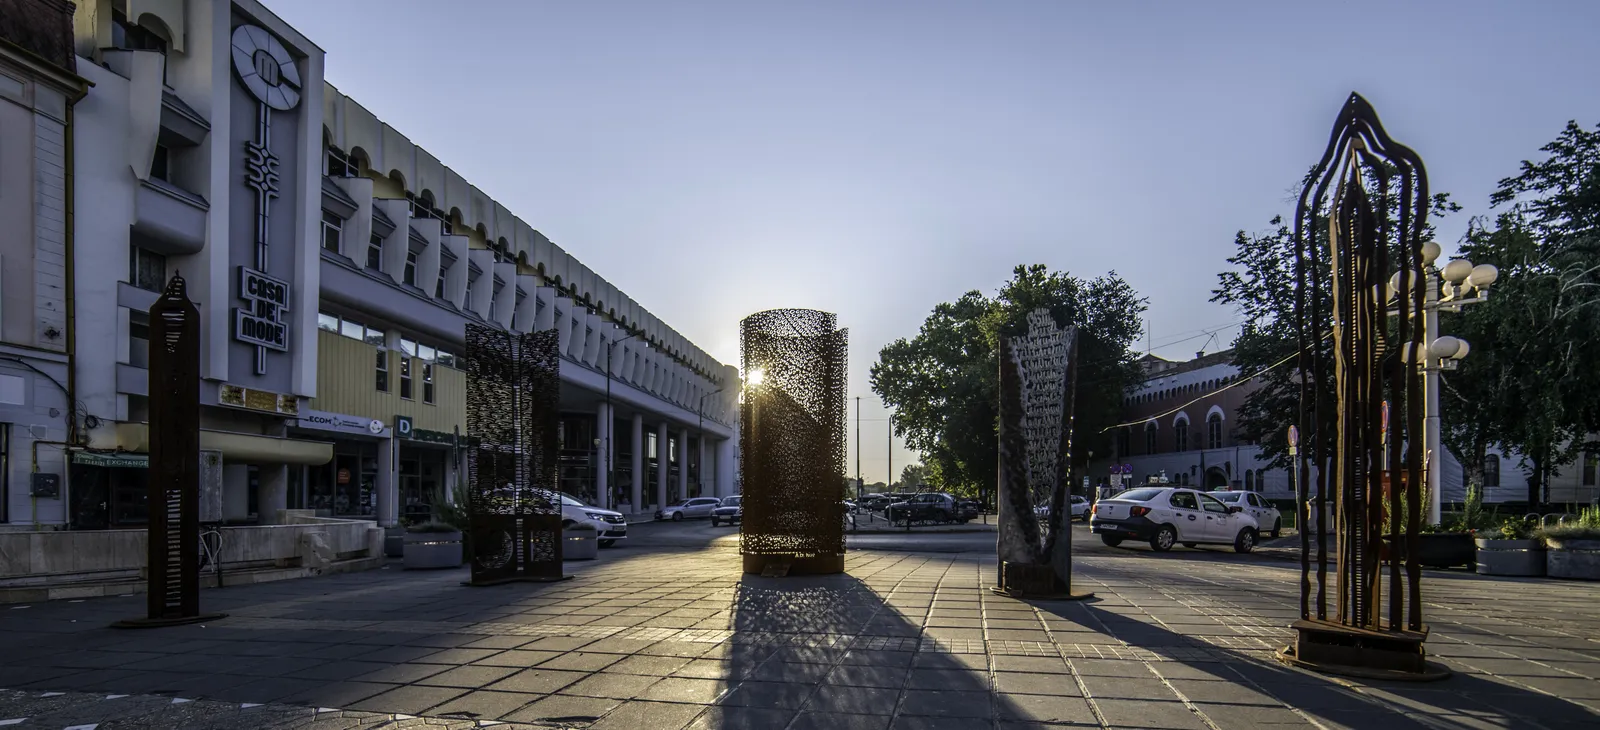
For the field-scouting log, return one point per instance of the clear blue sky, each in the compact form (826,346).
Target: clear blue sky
(875,158)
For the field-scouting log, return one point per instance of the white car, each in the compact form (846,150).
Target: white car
(610,526)
(1168,516)
(689,508)
(1080,508)
(1256,506)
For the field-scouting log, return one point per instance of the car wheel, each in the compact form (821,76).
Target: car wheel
(1190,545)
(1277,527)
(1164,539)
(677,516)
(1111,540)
(714,522)
(607,543)
(1245,542)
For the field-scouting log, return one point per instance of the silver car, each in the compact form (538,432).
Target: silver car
(689,508)
(1256,506)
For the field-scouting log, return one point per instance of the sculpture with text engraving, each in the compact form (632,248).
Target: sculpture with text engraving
(791,441)
(1361,216)
(172,539)
(514,508)
(1037,377)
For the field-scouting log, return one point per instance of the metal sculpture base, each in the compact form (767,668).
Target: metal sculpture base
(156,623)
(1034,582)
(791,565)
(1330,648)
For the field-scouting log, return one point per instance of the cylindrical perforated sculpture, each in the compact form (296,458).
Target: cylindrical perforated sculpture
(791,440)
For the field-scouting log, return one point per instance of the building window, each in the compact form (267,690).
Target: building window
(161,164)
(1180,436)
(410,276)
(146,270)
(332,226)
(1214,431)
(327,322)
(1591,464)
(438,286)
(5,470)
(405,377)
(382,371)
(1150,438)
(1125,441)
(1491,470)
(375,253)
(339,164)
(427,382)
(1249,481)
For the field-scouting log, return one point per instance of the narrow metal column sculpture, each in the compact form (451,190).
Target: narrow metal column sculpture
(172,569)
(791,442)
(513,392)
(1362,214)
(1038,373)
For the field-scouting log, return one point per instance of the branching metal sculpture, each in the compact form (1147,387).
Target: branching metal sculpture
(791,441)
(513,393)
(1038,373)
(172,570)
(1362,214)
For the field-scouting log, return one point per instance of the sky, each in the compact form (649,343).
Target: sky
(873,159)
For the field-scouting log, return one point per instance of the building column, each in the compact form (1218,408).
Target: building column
(272,493)
(387,498)
(727,477)
(662,451)
(602,472)
(636,491)
(708,485)
(683,464)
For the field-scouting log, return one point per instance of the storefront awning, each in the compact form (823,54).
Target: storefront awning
(114,461)
(237,446)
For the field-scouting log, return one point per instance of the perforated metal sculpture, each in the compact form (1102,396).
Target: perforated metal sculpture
(1362,215)
(513,392)
(173,536)
(1038,373)
(791,441)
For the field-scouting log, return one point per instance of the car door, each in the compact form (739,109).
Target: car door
(1266,514)
(1186,516)
(703,507)
(1219,520)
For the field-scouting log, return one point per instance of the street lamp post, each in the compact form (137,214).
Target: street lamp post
(700,410)
(611,470)
(1461,284)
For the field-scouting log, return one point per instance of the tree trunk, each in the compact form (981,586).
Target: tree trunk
(1535,482)
(1472,470)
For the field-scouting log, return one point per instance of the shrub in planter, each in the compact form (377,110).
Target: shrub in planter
(1511,549)
(432,545)
(1572,550)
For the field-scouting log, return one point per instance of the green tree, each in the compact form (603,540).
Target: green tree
(943,385)
(914,476)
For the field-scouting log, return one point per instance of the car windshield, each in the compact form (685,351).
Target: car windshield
(1228,496)
(570,502)
(1143,494)
(731,501)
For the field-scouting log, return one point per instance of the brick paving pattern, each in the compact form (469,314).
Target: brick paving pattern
(679,639)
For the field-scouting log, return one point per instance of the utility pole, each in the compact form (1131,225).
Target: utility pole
(858,448)
(890,481)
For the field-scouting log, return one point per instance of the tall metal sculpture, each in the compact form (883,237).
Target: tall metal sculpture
(172,540)
(791,441)
(1362,214)
(514,505)
(1038,372)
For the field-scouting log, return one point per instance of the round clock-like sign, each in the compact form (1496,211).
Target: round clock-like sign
(265,67)
(376,426)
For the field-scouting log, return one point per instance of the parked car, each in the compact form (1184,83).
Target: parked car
(1256,506)
(610,526)
(1080,508)
(689,508)
(926,507)
(730,511)
(1168,516)
(969,509)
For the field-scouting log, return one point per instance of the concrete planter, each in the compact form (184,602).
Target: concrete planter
(580,542)
(1511,557)
(1440,549)
(1578,559)
(425,550)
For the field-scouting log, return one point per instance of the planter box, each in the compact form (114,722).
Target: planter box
(1579,559)
(432,550)
(1511,557)
(581,542)
(1441,549)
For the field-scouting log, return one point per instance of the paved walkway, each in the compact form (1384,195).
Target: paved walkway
(678,639)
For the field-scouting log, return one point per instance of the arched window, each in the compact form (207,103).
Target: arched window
(1491,470)
(1214,431)
(1124,441)
(1180,435)
(1150,438)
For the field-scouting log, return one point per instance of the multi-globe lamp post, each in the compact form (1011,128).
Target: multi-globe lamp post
(1450,288)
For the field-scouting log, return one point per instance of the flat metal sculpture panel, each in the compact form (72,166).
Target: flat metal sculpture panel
(1361,216)
(173,535)
(1037,380)
(514,508)
(791,441)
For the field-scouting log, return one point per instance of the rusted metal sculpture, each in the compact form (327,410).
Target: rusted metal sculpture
(514,506)
(791,441)
(1361,216)
(172,539)
(1038,372)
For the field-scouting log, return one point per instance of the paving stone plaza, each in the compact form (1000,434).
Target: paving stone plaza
(679,638)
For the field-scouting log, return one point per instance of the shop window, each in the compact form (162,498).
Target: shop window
(382,371)
(375,253)
(146,269)
(405,377)
(427,382)
(410,277)
(332,227)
